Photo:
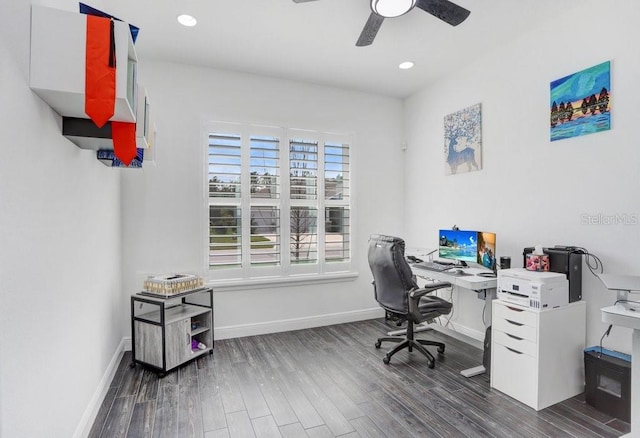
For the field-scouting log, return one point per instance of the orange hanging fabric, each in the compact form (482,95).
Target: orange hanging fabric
(100,70)
(124,141)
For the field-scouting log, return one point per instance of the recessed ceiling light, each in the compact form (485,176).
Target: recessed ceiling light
(405,65)
(187,20)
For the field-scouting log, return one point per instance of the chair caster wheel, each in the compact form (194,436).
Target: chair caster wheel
(378,344)
(385,360)
(441,349)
(431,364)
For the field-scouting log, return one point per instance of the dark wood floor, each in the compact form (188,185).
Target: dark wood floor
(329,382)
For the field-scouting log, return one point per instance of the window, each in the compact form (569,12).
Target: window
(262,224)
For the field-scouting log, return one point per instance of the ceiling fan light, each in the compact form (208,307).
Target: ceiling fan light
(392,8)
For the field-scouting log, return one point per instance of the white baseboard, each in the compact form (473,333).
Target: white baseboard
(90,414)
(239,331)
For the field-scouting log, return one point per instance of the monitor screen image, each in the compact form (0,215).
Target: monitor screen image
(487,249)
(458,245)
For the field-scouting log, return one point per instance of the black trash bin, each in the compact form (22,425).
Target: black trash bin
(608,381)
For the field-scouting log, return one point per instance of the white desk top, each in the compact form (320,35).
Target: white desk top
(473,281)
(620,282)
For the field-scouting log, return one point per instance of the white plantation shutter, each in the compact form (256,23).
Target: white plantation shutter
(262,196)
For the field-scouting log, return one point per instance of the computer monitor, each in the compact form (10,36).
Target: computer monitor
(486,249)
(459,245)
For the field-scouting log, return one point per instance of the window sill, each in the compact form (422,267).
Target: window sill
(266,282)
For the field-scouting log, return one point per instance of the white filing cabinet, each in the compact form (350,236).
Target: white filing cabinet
(537,355)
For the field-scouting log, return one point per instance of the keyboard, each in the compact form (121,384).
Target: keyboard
(433,266)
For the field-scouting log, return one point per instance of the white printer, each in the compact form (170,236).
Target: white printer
(538,290)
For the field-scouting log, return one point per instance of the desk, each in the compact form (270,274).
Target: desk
(472,282)
(620,315)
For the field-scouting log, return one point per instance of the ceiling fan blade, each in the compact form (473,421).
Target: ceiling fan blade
(444,10)
(370,30)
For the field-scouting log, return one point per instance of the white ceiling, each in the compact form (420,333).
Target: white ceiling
(315,41)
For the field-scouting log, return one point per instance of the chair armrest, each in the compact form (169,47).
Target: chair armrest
(417,293)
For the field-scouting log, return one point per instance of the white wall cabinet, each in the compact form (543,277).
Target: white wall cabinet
(58,54)
(537,355)
(166,332)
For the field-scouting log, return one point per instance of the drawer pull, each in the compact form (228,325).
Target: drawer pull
(514,337)
(514,323)
(514,309)
(515,351)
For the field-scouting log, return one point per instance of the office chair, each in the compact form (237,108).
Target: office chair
(397,292)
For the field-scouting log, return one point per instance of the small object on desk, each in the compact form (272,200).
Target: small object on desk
(414,259)
(505,262)
(458,273)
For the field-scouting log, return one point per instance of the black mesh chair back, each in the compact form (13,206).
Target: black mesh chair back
(392,276)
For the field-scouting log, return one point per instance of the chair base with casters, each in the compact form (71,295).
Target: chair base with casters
(410,342)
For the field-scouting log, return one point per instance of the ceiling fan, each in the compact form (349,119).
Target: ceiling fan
(381,9)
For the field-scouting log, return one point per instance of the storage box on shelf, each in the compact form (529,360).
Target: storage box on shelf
(86,135)
(171,284)
(536,355)
(58,48)
(168,332)
(109,159)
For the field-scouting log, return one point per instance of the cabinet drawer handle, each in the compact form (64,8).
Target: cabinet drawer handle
(514,309)
(511,349)
(514,337)
(514,323)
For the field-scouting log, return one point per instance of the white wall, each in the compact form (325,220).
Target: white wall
(530,190)
(60,284)
(163,204)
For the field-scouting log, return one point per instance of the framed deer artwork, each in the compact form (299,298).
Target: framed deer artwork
(581,102)
(463,140)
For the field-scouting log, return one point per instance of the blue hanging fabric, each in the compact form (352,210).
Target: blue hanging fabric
(88,10)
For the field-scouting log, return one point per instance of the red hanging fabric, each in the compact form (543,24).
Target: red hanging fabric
(124,141)
(100,70)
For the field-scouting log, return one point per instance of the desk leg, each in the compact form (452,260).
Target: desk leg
(480,369)
(635,384)
(475,371)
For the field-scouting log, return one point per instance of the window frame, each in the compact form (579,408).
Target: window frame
(285,273)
